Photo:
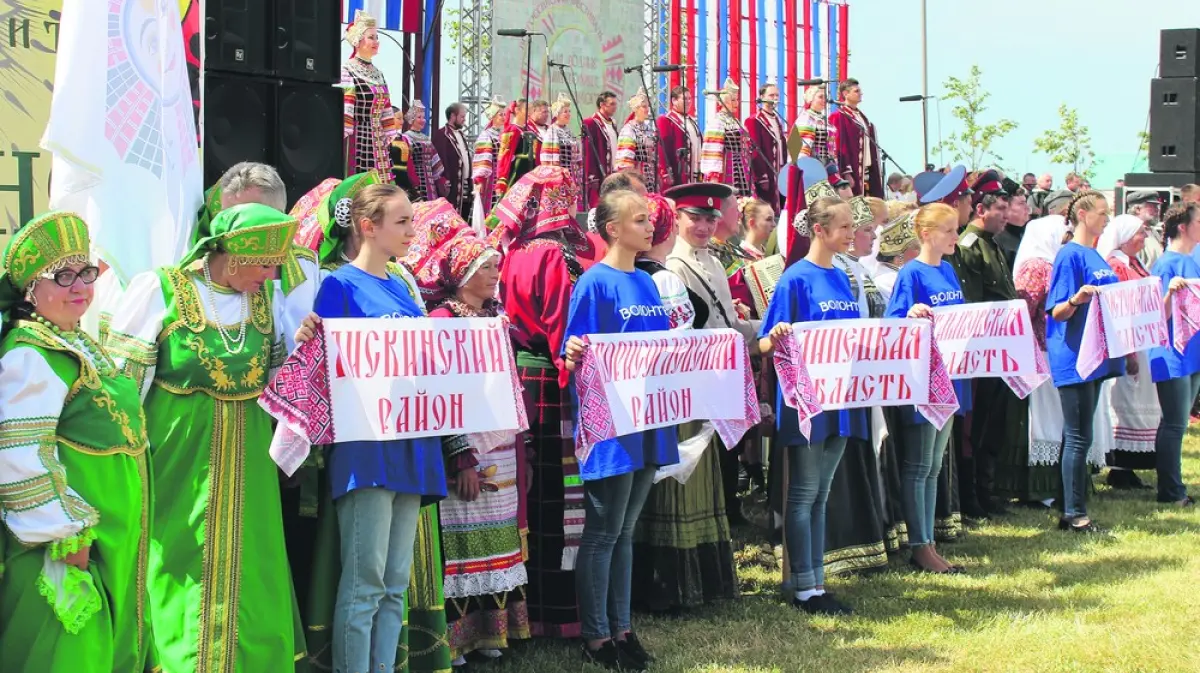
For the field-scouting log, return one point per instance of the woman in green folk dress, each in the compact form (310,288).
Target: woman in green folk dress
(74,490)
(201,339)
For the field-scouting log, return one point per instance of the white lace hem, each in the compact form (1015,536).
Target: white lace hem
(486,583)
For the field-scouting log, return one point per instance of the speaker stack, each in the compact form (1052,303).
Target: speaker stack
(1174,116)
(270,73)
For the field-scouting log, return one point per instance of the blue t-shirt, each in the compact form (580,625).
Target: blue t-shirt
(1166,362)
(610,301)
(401,465)
(810,293)
(1074,267)
(934,286)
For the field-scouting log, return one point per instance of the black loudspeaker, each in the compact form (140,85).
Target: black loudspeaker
(239,122)
(1161,180)
(308,146)
(295,39)
(1178,53)
(235,33)
(308,45)
(1174,125)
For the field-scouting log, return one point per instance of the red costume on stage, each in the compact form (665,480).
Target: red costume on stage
(768,135)
(680,159)
(601,133)
(857,151)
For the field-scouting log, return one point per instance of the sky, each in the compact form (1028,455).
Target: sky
(1096,55)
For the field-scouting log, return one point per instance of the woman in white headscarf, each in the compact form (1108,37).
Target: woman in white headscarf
(1132,399)
(1033,475)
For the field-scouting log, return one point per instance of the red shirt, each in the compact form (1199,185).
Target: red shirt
(535,289)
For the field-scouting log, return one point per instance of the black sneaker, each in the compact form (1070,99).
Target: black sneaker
(822,605)
(607,656)
(632,648)
(1125,480)
(1073,525)
(838,607)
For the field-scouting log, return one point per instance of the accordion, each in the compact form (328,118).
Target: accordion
(762,277)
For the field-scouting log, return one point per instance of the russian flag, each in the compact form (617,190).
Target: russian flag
(404,16)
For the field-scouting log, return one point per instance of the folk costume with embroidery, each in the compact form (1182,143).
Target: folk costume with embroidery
(680,147)
(637,146)
(482,540)
(220,592)
(726,155)
(73,475)
(560,147)
(536,231)
(415,161)
(483,163)
(369,125)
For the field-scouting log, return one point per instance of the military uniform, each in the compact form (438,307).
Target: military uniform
(998,422)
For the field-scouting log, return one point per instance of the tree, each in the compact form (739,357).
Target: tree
(458,39)
(1144,142)
(973,143)
(1070,144)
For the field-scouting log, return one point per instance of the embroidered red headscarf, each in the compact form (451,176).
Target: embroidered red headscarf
(662,216)
(445,252)
(540,203)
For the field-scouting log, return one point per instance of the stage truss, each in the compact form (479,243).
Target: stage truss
(475,60)
(656,34)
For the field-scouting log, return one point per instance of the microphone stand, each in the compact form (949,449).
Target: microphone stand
(882,152)
(657,141)
(562,69)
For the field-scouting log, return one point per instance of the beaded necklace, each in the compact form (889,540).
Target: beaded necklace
(80,342)
(233,345)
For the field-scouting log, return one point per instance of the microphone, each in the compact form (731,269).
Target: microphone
(555,64)
(516,32)
(811,82)
(710,92)
(910,99)
(670,67)
(632,68)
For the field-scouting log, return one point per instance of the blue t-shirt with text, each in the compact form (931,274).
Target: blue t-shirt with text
(1166,362)
(933,286)
(606,300)
(810,293)
(400,465)
(1074,267)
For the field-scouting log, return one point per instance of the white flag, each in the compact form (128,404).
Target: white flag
(122,131)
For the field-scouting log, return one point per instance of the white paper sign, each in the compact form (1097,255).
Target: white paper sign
(986,340)
(866,362)
(1134,316)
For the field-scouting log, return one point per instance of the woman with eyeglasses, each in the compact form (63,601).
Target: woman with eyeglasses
(74,491)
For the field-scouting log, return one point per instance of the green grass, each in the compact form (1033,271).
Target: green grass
(1035,599)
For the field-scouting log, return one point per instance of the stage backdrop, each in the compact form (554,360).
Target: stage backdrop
(596,37)
(28,45)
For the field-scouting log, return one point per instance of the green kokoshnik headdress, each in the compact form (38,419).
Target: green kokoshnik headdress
(251,234)
(335,216)
(47,243)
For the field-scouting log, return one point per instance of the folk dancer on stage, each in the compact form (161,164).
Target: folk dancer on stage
(599,146)
(857,150)
(484,512)
(536,231)
(680,141)
(768,135)
(816,136)
(74,479)
(202,339)
(483,163)
(983,272)
(683,555)
(636,148)
(369,122)
(416,165)
(560,147)
(727,153)
(517,154)
(452,148)
(536,126)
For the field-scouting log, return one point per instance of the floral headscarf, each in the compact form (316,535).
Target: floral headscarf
(540,203)
(662,216)
(445,252)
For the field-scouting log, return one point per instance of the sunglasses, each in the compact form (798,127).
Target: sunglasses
(67,277)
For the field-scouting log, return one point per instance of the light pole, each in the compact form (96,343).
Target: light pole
(924,86)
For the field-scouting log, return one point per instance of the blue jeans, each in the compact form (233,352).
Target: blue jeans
(810,472)
(1175,396)
(1079,408)
(604,572)
(378,529)
(924,452)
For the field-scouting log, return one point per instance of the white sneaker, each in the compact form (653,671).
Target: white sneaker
(491,654)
